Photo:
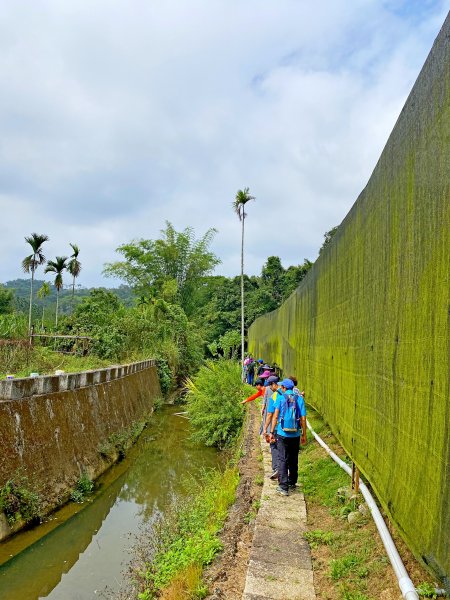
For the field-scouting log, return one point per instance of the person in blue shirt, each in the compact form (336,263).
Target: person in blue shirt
(288,442)
(269,435)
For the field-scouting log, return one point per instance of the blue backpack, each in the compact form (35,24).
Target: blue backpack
(290,413)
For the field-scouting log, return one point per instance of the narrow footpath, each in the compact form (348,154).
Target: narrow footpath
(280,561)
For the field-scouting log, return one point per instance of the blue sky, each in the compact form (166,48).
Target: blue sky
(117,116)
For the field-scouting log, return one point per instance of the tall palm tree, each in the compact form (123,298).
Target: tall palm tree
(242,197)
(31,263)
(57,266)
(74,266)
(42,293)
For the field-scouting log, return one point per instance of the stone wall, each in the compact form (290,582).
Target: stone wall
(51,428)
(367,331)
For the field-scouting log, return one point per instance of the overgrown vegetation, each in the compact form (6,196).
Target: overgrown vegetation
(83,488)
(120,442)
(19,501)
(188,540)
(213,403)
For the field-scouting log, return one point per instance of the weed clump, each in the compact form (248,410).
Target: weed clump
(84,488)
(18,501)
(118,443)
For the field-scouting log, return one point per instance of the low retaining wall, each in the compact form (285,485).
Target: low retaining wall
(51,428)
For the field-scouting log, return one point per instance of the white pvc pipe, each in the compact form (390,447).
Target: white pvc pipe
(406,585)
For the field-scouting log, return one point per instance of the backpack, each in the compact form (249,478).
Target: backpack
(290,413)
(251,368)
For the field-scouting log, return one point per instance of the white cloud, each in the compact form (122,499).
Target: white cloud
(116,117)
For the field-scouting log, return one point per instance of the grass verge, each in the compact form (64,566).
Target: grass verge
(349,559)
(187,539)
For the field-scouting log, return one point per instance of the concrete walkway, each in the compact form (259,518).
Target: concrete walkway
(280,561)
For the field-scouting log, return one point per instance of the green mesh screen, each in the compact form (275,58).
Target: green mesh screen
(367,330)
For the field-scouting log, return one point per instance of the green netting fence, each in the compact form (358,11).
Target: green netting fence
(367,330)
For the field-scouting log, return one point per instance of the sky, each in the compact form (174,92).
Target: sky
(117,116)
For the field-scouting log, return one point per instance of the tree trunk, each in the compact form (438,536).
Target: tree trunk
(73,287)
(57,305)
(242,293)
(31,302)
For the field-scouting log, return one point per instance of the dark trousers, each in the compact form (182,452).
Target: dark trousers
(288,448)
(274,452)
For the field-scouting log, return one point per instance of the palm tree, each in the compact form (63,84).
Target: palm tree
(42,293)
(57,266)
(74,266)
(31,263)
(242,197)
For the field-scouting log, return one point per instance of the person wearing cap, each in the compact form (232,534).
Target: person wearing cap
(271,436)
(259,384)
(288,442)
(260,367)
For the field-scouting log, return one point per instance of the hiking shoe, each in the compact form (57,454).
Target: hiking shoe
(293,487)
(274,475)
(280,490)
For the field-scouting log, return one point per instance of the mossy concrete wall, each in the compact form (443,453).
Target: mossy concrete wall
(367,330)
(51,428)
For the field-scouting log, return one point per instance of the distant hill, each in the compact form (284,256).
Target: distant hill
(21,289)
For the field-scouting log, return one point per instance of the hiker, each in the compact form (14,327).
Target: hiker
(271,436)
(266,373)
(289,423)
(293,378)
(251,371)
(260,367)
(259,384)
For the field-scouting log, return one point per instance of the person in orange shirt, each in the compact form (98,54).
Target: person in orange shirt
(259,384)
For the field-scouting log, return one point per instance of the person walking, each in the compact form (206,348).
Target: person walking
(289,423)
(251,371)
(269,435)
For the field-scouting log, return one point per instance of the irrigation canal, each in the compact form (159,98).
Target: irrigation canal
(83,549)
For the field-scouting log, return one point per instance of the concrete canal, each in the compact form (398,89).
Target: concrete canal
(82,549)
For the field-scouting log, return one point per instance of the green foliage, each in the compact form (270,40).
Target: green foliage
(84,488)
(228,344)
(6,300)
(427,590)
(213,403)
(319,537)
(13,326)
(341,567)
(174,264)
(328,236)
(189,536)
(118,443)
(18,501)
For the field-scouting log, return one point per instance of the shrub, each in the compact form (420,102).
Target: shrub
(214,407)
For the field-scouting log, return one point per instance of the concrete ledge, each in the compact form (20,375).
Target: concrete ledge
(280,565)
(26,387)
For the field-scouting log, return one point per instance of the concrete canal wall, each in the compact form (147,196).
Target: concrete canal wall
(52,428)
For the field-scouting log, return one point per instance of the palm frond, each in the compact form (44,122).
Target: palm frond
(241,199)
(76,251)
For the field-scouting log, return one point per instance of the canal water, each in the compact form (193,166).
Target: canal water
(83,549)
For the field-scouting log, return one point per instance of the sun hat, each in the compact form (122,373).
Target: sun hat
(260,360)
(266,374)
(288,384)
(272,379)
